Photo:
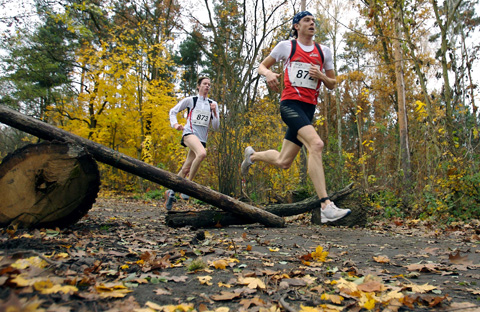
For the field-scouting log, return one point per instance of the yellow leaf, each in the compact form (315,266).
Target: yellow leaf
(252,282)
(333,298)
(66,289)
(22,282)
(112,290)
(308,309)
(319,255)
(220,284)
(205,280)
(370,304)
(274,249)
(32,261)
(220,264)
(40,285)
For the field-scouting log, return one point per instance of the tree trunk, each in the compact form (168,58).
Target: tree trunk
(402,111)
(139,168)
(47,185)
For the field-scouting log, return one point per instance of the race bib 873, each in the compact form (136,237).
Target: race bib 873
(299,76)
(200,117)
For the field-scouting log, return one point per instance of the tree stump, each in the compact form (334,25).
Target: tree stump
(358,217)
(51,184)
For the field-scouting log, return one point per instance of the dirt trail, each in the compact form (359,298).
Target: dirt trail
(125,242)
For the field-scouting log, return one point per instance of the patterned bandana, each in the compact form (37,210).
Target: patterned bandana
(299,16)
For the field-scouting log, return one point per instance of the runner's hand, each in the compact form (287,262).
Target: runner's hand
(272,80)
(213,107)
(178,127)
(315,72)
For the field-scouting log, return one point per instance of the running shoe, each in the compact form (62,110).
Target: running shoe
(246,163)
(169,199)
(333,213)
(184,196)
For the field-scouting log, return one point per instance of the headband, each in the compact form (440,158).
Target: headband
(299,16)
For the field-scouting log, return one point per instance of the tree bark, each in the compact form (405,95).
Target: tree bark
(47,185)
(402,110)
(217,218)
(139,168)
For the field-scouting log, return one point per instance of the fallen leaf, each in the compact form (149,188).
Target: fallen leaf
(333,298)
(372,286)
(162,291)
(420,288)
(251,282)
(457,259)
(220,264)
(66,289)
(220,284)
(224,295)
(319,255)
(205,280)
(308,309)
(29,262)
(427,267)
(256,301)
(381,259)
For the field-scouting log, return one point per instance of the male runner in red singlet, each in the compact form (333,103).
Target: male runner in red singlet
(307,66)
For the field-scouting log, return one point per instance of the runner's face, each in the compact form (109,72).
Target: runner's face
(204,87)
(306,25)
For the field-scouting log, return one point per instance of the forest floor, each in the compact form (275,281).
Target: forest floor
(122,257)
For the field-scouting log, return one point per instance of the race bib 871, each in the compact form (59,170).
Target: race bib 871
(299,76)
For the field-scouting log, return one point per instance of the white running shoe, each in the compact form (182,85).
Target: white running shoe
(169,199)
(333,213)
(246,163)
(184,196)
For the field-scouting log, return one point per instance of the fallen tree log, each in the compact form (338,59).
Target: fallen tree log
(121,161)
(47,185)
(217,218)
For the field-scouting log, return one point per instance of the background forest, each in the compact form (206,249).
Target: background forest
(402,124)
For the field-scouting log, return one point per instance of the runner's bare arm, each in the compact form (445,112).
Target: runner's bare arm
(264,70)
(328,78)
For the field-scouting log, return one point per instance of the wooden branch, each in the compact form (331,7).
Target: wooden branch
(139,168)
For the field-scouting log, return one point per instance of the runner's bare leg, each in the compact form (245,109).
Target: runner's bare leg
(282,159)
(314,144)
(195,156)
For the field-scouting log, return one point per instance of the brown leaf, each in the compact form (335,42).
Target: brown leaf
(255,301)
(225,296)
(295,282)
(457,259)
(427,267)
(162,291)
(372,286)
(381,259)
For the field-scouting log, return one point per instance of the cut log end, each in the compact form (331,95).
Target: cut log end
(50,184)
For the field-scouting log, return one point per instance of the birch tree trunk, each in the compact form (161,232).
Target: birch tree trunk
(401,113)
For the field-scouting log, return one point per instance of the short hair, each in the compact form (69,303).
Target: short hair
(200,79)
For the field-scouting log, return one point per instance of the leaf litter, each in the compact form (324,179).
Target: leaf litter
(122,256)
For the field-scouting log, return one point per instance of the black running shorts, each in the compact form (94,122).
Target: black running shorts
(296,115)
(182,142)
